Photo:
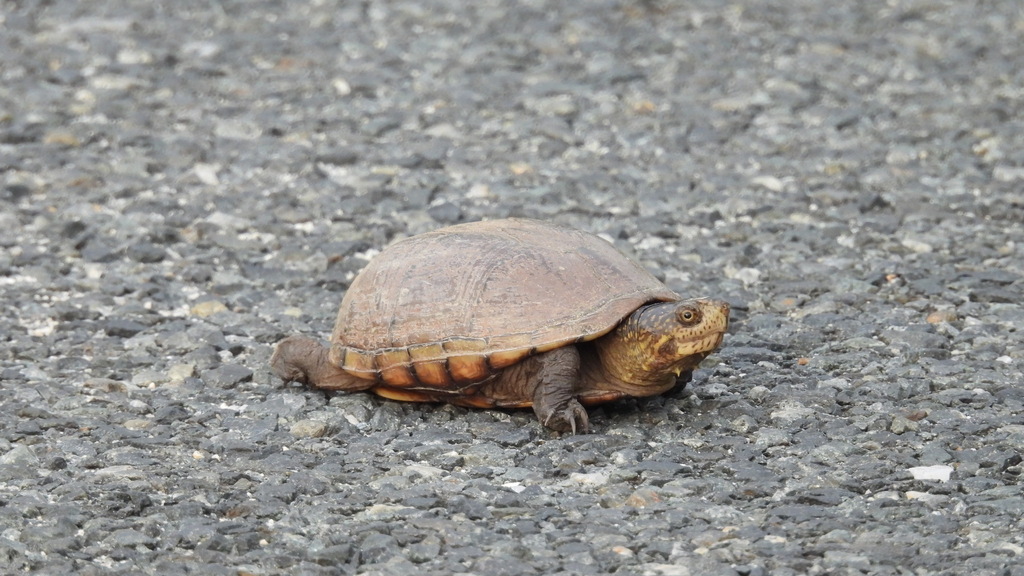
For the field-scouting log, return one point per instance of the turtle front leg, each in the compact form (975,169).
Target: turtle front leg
(554,401)
(302,359)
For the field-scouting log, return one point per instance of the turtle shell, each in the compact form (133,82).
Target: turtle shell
(450,308)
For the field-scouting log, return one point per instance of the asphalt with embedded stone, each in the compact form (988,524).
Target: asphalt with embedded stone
(183,184)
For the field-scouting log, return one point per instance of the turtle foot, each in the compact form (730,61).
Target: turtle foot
(573,418)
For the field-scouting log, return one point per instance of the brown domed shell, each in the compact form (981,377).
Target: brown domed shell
(448,308)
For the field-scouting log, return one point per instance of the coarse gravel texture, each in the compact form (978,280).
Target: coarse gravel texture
(185,183)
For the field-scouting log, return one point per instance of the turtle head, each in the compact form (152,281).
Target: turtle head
(660,341)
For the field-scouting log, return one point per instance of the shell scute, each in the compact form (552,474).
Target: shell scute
(394,365)
(429,363)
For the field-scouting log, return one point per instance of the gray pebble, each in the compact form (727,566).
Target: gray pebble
(376,548)
(19,463)
(425,550)
(309,429)
(227,376)
(445,212)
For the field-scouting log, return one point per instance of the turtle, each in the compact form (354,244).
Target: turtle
(509,313)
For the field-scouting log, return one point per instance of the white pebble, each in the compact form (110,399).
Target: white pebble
(939,472)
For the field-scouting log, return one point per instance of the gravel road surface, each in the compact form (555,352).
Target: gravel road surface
(182,184)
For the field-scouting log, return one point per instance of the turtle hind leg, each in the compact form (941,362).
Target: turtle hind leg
(304,360)
(555,375)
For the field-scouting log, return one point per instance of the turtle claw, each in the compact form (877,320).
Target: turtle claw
(554,375)
(573,418)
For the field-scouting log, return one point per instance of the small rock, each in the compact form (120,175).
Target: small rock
(179,372)
(848,560)
(861,343)
(425,550)
(61,138)
(939,473)
(377,547)
(341,86)
(790,411)
(227,221)
(932,499)
(234,129)
(208,308)
(901,424)
(748,276)
(742,102)
(470,507)
(1008,173)
(105,385)
(227,376)
(138,424)
(336,555)
(768,437)
(589,478)
(207,173)
(916,245)
(557,105)
(507,565)
(642,498)
(770,182)
(652,569)
(339,157)
(149,378)
(445,212)
(423,471)
(309,429)
(743,424)
(20,463)
(382,124)
(837,383)
(170,414)
(122,328)
(900,155)
(519,168)
(146,252)
(382,511)
(100,250)
(758,393)
(130,538)
(941,316)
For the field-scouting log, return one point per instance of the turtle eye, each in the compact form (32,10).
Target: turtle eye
(688,316)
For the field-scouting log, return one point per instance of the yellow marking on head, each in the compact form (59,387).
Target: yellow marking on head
(661,341)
